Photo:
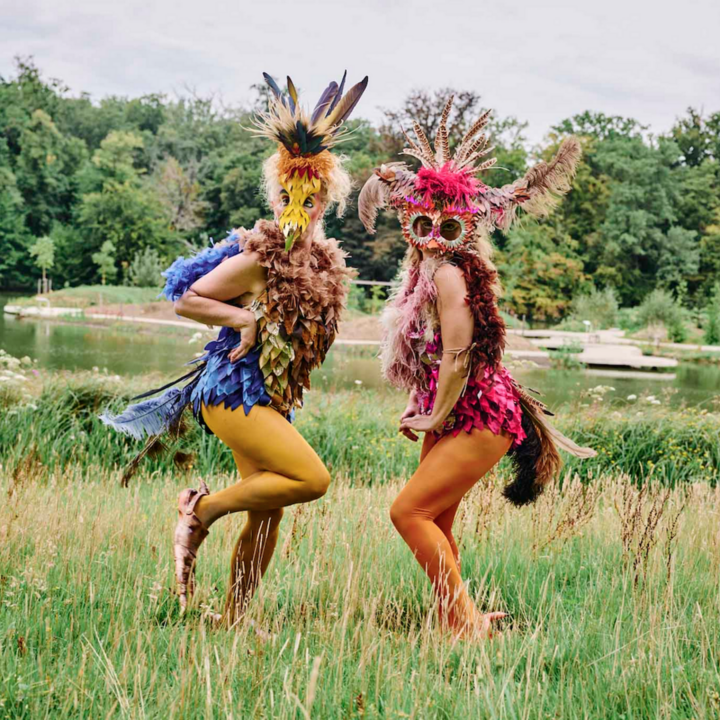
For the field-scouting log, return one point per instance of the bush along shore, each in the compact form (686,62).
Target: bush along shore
(49,420)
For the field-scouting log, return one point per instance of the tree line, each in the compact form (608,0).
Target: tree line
(123,182)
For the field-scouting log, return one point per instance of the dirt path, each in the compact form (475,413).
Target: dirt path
(355,329)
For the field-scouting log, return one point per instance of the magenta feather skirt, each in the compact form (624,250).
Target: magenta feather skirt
(489,401)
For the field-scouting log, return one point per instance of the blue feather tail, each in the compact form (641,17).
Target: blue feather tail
(151,417)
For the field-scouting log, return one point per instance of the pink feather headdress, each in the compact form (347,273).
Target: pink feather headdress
(446,185)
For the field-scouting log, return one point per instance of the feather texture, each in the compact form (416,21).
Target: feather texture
(325,102)
(568,445)
(442,149)
(524,487)
(537,461)
(185,271)
(486,165)
(425,146)
(304,136)
(412,145)
(474,157)
(277,92)
(546,182)
(462,153)
(151,417)
(155,447)
(475,128)
(373,197)
(292,92)
(347,104)
(426,162)
(338,94)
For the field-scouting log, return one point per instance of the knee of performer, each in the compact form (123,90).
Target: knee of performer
(316,486)
(401,515)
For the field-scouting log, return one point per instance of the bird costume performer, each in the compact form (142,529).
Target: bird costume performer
(277,291)
(444,341)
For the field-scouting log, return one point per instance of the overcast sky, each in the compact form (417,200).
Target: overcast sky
(539,61)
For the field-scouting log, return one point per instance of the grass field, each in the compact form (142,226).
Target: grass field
(88,295)
(611,582)
(613,594)
(49,420)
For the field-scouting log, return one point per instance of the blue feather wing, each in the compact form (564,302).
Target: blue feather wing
(185,271)
(151,417)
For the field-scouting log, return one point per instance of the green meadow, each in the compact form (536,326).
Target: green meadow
(610,580)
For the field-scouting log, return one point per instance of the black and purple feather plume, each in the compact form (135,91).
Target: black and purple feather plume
(286,122)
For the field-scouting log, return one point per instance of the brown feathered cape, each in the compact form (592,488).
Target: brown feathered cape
(298,312)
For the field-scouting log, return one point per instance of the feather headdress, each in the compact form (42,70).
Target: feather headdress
(446,189)
(304,137)
(304,140)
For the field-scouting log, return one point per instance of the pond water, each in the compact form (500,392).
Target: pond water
(133,351)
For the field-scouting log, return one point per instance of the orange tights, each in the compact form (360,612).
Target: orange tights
(424,511)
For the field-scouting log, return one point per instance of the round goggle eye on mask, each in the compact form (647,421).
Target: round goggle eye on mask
(421,228)
(451,230)
(452,233)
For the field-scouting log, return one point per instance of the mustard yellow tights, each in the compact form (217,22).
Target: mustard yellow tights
(277,468)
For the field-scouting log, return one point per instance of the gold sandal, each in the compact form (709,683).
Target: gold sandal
(189,535)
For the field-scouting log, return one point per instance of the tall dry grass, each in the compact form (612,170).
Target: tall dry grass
(612,590)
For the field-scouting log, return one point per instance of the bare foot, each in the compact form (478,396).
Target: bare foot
(481,630)
(263,635)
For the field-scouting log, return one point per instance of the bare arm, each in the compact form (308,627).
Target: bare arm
(456,327)
(410,410)
(207,300)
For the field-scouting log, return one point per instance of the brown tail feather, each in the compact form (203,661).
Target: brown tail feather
(155,447)
(536,461)
(548,463)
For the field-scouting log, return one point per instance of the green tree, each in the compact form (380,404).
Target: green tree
(105,260)
(539,271)
(146,268)
(125,208)
(698,137)
(178,190)
(640,230)
(15,269)
(127,214)
(712,322)
(600,307)
(21,96)
(43,250)
(45,170)
(599,126)
(232,191)
(117,158)
(710,251)
(678,257)
(660,308)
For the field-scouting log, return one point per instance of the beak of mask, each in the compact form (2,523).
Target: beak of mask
(294,219)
